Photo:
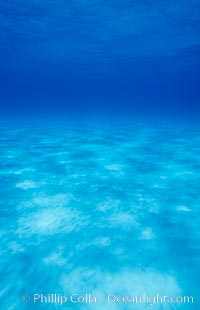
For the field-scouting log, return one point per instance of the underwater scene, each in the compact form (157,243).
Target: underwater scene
(100,209)
(100,154)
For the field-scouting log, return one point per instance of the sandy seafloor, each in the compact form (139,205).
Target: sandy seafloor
(99,208)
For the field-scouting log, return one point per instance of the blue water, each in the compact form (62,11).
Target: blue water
(99,152)
(99,57)
(100,208)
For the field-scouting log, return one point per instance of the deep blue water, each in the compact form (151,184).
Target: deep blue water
(99,151)
(99,57)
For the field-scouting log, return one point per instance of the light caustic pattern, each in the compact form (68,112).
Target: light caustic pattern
(99,209)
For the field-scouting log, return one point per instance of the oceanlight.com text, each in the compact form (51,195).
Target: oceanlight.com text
(110,298)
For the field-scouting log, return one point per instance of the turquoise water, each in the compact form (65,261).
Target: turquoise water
(99,208)
(105,209)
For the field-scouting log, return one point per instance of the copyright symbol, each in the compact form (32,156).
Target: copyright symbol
(26,298)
